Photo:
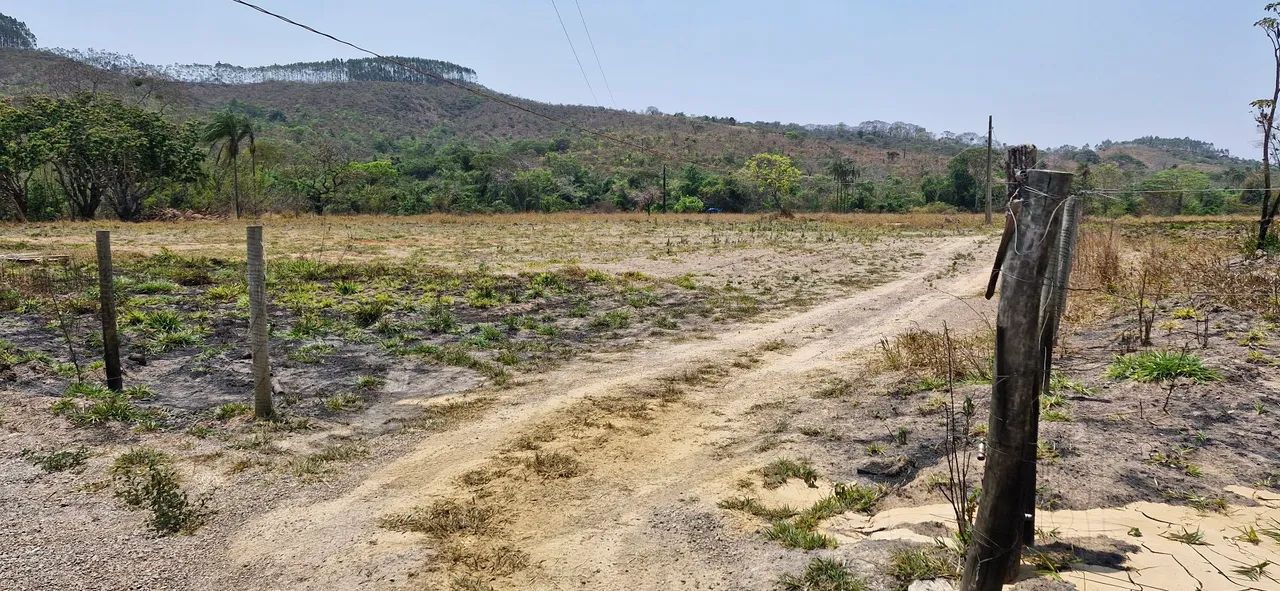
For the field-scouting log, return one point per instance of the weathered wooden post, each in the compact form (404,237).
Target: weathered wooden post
(995,549)
(107,305)
(258,330)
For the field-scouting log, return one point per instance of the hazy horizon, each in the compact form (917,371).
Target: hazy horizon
(1103,71)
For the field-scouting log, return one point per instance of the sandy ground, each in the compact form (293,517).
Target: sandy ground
(624,524)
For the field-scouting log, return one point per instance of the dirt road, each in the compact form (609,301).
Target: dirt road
(654,438)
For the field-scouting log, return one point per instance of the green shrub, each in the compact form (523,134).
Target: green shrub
(58,461)
(688,204)
(1161,366)
(144,479)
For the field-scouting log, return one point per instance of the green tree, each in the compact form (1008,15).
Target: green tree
(15,34)
(845,172)
(773,175)
(320,174)
(20,157)
(688,204)
(103,149)
(1181,191)
(225,134)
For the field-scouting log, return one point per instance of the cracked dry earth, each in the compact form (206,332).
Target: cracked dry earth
(603,474)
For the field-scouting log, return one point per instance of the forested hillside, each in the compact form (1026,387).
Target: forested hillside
(366,136)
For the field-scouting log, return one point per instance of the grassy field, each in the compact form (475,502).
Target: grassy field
(619,402)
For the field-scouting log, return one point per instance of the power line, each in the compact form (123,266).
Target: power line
(575,53)
(469,88)
(479,91)
(592,42)
(1204,190)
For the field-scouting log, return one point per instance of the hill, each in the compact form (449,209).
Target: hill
(367,110)
(453,142)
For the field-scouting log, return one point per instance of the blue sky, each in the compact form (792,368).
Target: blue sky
(1050,72)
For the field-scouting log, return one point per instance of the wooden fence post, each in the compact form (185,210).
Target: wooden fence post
(1053,300)
(258,330)
(995,549)
(107,304)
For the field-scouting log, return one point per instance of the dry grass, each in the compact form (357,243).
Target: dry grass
(1195,261)
(454,240)
(446,518)
(924,354)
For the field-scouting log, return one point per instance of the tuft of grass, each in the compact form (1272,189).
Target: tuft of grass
(1191,538)
(913,564)
(791,535)
(231,410)
(1059,383)
(1047,450)
(823,574)
(87,403)
(495,561)
(343,402)
(835,388)
(1161,366)
(445,519)
(1177,459)
(612,320)
(58,461)
(1253,572)
(1198,501)
(368,312)
(1049,562)
(369,383)
(857,497)
(776,473)
(316,465)
(156,286)
(554,465)
(1249,534)
(685,281)
(311,352)
(753,506)
(346,287)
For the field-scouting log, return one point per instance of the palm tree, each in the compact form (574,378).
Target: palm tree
(224,134)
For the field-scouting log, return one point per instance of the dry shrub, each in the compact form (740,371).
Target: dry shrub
(1123,265)
(446,518)
(924,352)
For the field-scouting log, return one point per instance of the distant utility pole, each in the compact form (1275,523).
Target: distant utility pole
(988,187)
(664,188)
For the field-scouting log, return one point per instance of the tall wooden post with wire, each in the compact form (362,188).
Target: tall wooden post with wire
(107,305)
(258,333)
(1037,249)
(987,188)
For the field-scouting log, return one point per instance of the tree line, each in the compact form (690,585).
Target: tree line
(334,70)
(80,156)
